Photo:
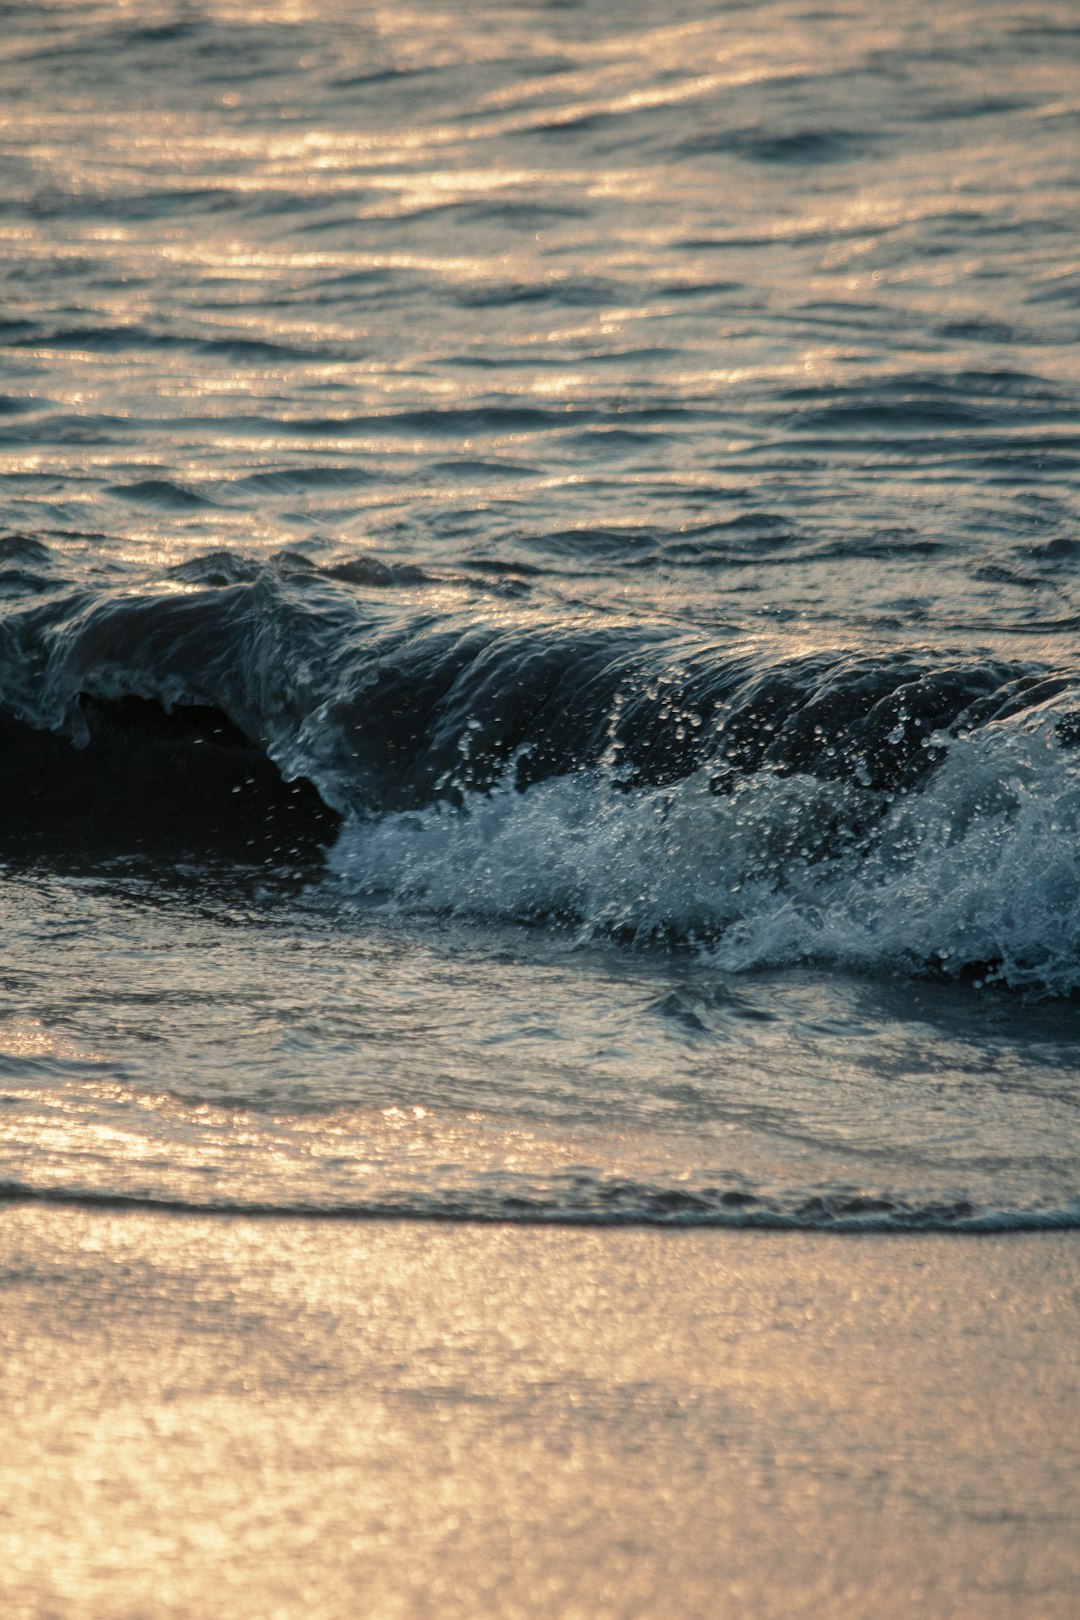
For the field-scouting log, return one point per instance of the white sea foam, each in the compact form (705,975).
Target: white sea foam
(977,872)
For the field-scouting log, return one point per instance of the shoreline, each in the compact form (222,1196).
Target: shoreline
(245,1416)
(892,1221)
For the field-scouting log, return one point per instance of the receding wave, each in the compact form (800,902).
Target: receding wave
(581,1201)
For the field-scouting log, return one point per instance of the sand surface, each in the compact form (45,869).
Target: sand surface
(285,1418)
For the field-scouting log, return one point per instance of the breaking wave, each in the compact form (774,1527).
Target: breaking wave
(973,874)
(890,809)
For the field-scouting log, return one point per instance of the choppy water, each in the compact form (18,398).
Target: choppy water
(539,586)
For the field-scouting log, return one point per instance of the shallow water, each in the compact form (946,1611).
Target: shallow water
(537,610)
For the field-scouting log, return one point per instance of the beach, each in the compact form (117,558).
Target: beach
(262,1417)
(539,810)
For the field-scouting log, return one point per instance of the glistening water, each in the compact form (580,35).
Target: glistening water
(539,568)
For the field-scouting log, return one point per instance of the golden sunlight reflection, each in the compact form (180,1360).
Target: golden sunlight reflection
(371,1157)
(30,1038)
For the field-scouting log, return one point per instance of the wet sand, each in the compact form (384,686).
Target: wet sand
(276,1418)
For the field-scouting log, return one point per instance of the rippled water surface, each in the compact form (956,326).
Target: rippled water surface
(538,607)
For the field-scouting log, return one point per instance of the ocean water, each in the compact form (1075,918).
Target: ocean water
(539,588)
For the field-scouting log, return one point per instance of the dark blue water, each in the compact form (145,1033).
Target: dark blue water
(538,601)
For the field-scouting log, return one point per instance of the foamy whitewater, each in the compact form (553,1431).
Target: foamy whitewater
(538,611)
